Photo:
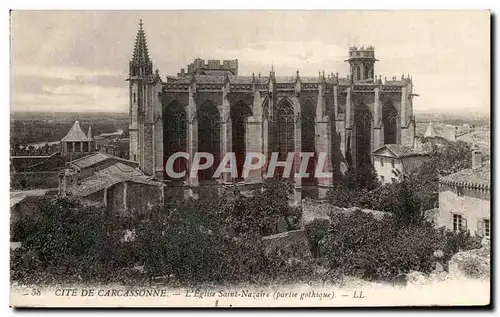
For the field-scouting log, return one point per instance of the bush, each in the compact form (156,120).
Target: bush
(217,239)
(316,230)
(473,267)
(348,190)
(67,242)
(457,242)
(358,244)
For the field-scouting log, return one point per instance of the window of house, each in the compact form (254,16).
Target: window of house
(134,97)
(483,227)
(382,161)
(382,178)
(486,225)
(460,191)
(392,163)
(459,223)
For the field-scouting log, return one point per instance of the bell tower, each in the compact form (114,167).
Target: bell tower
(362,63)
(140,69)
(145,125)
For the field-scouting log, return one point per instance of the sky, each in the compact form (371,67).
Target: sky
(77,61)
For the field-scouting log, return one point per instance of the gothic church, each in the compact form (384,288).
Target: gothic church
(209,107)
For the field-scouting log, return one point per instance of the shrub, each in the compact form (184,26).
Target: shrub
(316,230)
(67,242)
(473,267)
(373,249)
(458,241)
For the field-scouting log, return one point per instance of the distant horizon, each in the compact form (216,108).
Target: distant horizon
(417,111)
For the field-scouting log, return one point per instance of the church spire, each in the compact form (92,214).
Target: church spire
(141,65)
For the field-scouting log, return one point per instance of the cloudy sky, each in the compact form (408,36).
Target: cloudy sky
(78,61)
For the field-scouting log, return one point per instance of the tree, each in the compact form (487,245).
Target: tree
(355,183)
(66,240)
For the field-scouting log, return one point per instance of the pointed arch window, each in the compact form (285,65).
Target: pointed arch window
(282,132)
(308,133)
(209,137)
(358,72)
(239,114)
(390,123)
(363,134)
(174,134)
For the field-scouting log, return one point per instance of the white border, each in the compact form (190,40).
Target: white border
(189,5)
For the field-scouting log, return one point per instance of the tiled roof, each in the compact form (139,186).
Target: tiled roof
(475,178)
(90,160)
(96,158)
(109,176)
(75,134)
(400,150)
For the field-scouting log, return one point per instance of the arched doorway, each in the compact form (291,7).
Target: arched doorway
(239,114)
(308,132)
(282,132)
(363,135)
(174,134)
(390,123)
(209,137)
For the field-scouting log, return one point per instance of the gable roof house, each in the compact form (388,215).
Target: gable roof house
(118,184)
(393,160)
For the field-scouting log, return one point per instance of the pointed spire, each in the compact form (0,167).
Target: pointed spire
(141,64)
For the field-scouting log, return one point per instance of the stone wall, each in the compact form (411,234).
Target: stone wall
(294,243)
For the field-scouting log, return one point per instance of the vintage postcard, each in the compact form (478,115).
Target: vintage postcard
(250,158)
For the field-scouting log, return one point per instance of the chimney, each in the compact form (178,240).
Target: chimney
(63,179)
(476,159)
(417,145)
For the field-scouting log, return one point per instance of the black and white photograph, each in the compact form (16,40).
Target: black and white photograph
(250,158)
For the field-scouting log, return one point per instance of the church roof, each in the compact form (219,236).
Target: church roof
(400,150)
(141,54)
(478,178)
(75,134)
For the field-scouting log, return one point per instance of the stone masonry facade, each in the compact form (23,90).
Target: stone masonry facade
(347,118)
